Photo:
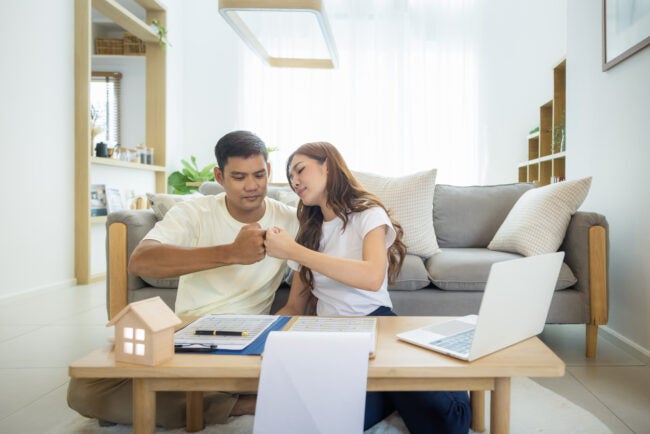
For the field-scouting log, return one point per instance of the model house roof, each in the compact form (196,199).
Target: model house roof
(152,311)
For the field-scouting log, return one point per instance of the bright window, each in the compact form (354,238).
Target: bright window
(403,99)
(105,107)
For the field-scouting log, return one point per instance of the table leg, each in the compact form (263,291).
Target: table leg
(500,406)
(194,412)
(477,402)
(144,407)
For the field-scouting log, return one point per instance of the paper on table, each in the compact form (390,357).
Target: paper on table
(253,325)
(364,324)
(312,382)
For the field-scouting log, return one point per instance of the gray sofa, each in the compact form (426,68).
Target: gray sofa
(449,283)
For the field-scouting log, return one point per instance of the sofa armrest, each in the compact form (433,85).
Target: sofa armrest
(586,244)
(124,230)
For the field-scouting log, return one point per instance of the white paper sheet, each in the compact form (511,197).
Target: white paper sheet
(312,382)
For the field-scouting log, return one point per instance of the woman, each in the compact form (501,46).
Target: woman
(346,250)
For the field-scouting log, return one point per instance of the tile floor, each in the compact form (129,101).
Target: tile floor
(41,333)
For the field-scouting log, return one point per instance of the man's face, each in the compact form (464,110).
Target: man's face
(245,181)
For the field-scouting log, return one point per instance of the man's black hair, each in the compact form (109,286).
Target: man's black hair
(239,144)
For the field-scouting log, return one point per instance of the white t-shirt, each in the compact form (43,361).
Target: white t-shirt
(235,289)
(334,298)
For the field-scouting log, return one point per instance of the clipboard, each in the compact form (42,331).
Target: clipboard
(255,348)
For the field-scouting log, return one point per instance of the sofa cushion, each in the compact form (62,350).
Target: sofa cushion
(171,282)
(211,187)
(161,203)
(537,223)
(467,269)
(412,276)
(409,199)
(470,216)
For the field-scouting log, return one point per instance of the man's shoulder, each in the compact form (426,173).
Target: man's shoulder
(282,215)
(199,201)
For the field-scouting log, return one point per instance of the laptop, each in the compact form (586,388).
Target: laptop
(514,307)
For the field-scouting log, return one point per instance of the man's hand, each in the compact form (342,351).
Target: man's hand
(248,247)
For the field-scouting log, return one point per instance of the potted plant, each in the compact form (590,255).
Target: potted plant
(162,33)
(189,179)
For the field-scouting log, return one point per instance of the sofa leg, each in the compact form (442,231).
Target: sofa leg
(592,340)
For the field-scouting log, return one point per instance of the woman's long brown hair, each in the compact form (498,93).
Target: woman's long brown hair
(345,195)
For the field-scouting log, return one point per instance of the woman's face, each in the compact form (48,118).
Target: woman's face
(308,177)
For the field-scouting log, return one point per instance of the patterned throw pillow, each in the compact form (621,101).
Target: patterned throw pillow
(409,199)
(537,223)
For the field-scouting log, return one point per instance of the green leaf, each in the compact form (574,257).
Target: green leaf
(207,174)
(190,173)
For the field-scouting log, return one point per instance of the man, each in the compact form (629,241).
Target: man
(216,245)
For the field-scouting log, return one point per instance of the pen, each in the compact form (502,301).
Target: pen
(219,333)
(194,348)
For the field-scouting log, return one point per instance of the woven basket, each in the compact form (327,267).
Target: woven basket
(109,46)
(133,46)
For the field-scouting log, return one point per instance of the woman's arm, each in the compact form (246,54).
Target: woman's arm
(298,298)
(368,273)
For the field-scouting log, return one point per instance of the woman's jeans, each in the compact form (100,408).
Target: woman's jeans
(422,412)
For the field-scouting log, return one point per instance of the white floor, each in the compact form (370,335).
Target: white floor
(41,333)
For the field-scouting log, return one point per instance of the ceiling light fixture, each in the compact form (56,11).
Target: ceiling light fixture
(283,33)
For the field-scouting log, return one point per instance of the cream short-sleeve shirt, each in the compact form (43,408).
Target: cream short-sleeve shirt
(235,289)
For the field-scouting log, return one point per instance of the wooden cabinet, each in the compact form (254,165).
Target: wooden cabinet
(547,147)
(155,108)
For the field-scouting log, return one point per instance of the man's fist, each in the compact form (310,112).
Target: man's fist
(248,247)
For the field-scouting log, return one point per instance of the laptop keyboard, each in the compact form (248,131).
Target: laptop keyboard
(460,343)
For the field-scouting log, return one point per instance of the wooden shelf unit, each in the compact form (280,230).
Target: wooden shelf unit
(547,163)
(155,117)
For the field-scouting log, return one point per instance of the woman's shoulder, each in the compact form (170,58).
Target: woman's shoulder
(372,213)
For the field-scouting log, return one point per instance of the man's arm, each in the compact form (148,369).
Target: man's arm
(154,259)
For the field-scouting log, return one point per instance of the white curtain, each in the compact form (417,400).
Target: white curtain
(403,98)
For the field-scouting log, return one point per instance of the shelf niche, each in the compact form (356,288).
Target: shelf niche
(546,160)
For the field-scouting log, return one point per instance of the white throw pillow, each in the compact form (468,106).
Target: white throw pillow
(537,222)
(409,199)
(161,202)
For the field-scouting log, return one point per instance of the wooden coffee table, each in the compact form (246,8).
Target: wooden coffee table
(396,366)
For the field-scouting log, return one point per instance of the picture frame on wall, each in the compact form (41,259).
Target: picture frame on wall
(626,30)
(98,200)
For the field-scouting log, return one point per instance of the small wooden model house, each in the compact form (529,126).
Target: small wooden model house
(144,332)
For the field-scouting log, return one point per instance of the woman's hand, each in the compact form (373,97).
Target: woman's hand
(278,243)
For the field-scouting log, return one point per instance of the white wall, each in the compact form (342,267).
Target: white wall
(520,44)
(37,145)
(210,81)
(607,138)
